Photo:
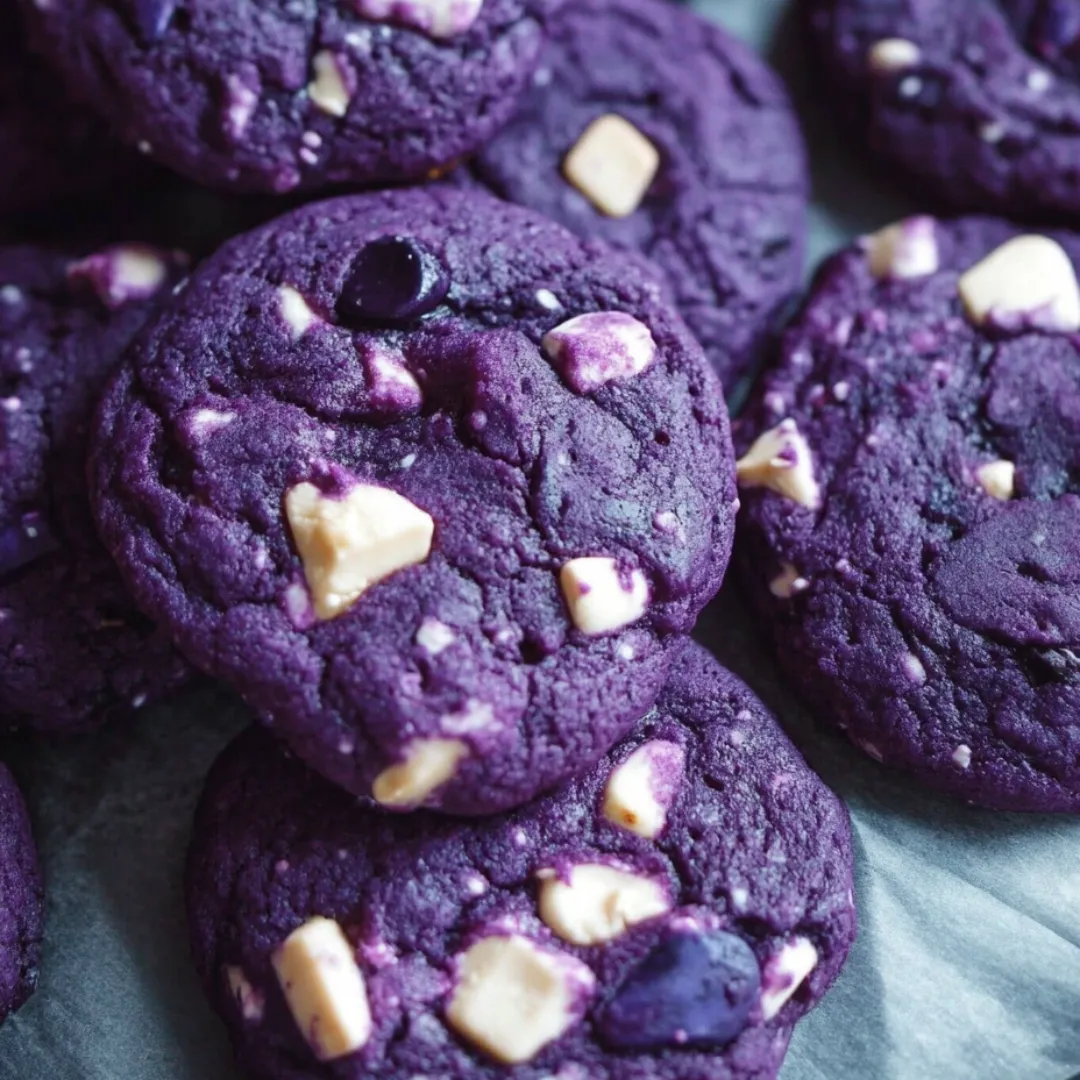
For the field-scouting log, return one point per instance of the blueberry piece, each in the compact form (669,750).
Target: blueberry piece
(152,17)
(691,990)
(393,280)
(25,542)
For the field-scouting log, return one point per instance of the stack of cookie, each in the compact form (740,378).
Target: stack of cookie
(438,478)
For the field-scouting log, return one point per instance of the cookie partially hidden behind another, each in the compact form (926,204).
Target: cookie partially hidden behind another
(655,130)
(433,483)
(910,532)
(671,915)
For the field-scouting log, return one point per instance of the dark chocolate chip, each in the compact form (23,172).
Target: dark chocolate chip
(393,280)
(693,989)
(25,542)
(152,17)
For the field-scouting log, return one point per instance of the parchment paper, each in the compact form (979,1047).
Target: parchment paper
(968,962)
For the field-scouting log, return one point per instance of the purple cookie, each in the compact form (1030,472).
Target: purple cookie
(280,96)
(22,909)
(668,916)
(51,148)
(976,100)
(432,482)
(911,526)
(73,648)
(697,161)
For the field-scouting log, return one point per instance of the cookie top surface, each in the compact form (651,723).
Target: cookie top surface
(444,538)
(22,911)
(720,206)
(73,647)
(51,148)
(910,519)
(724,925)
(978,101)
(282,96)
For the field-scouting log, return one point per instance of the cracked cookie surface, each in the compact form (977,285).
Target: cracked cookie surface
(724,214)
(692,951)
(911,518)
(73,647)
(283,96)
(445,557)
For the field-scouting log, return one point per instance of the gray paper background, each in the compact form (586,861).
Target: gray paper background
(968,962)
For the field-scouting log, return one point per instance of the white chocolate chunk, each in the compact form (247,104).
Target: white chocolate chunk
(1027,282)
(998,479)
(640,791)
(788,582)
(891,55)
(513,997)
(324,988)
(428,764)
(597,597)
(327,90)
(349,544)
(599,903)
(439,19)
(780,461)
(600,347)
(295,311)
(434,636)
(962,756)
(906,250)
(248,1000)
(613,165)
(784,973)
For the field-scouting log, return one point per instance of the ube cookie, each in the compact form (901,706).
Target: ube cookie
(22,912)
(279,96)
(976,102)
(910,519)
(73,647)
(51,148)
(653,129)
(668,916)
(432,482)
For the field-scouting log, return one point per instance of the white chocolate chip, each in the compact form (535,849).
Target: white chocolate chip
(248,1000)
(513,997)
(998,479)
(295,311)
(599,903)
(914,669)
(640,791)
(437,18)
(788,582)
(908,249)
(1028,281)
(962,756)
(780,461)
(612,165)
(428,764)
(434,636)
(600,347)
(202,422)
(122,273)
(597,597)
(349,544)
(324,988)
(548,300)
(891,55)
(327,90)
(784,973)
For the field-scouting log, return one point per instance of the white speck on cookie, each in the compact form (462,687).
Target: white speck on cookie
(788,582)
(1028,282)
(613,165)
(351,543)
(296,311)
(514,997)
(122,273)
(962,756)
(600,597)
(249,1001)
(437,18)
(434,636)
(391,385)
(592,350)
(780,460)
(241,102)
(428,764)
(324,988)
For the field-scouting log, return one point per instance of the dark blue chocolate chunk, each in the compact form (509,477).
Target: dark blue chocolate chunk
(152,17)
(25,542)
(691,990)
(393,280)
